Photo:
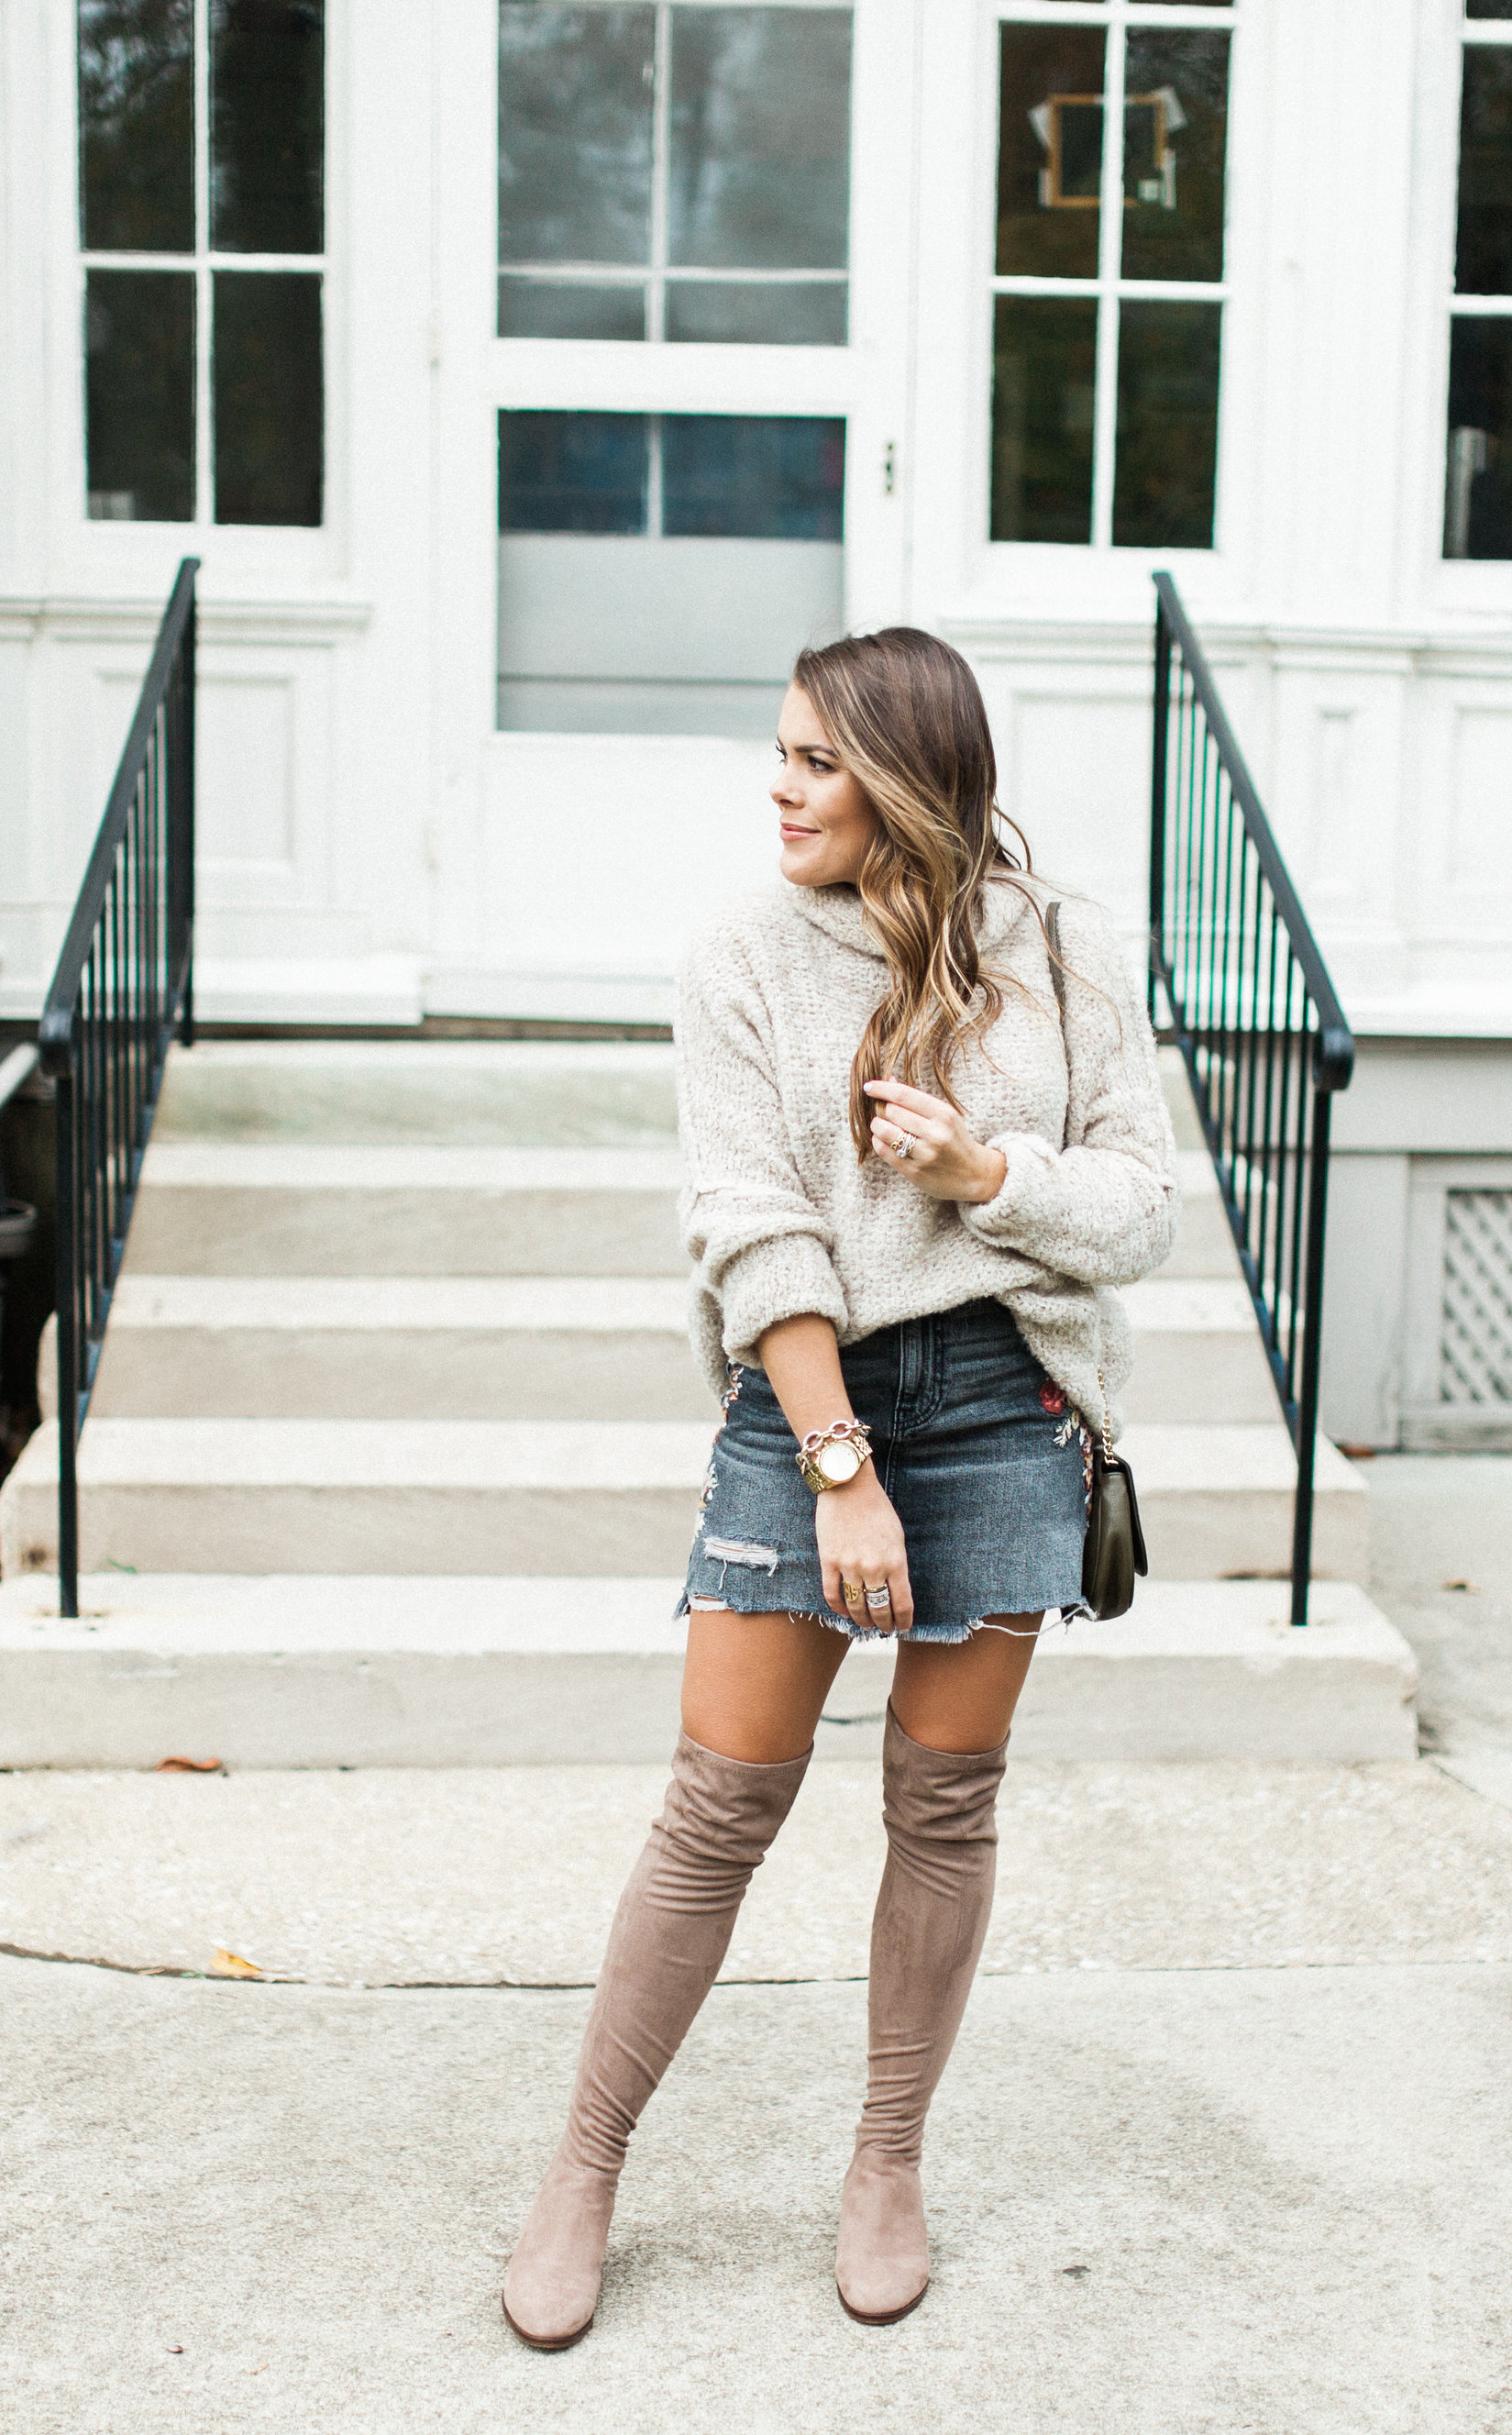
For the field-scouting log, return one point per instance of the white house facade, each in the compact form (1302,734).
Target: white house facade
(533,379)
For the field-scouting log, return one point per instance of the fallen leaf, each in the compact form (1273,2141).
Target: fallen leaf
(177,2349)
(231,1965)
(187,1767)
(1474,1587)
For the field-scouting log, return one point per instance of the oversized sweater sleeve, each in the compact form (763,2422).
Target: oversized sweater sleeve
(762,1248)
(1103,1209)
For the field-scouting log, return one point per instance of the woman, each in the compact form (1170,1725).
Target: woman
(910,1184)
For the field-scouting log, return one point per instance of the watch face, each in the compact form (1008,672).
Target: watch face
(839,1461)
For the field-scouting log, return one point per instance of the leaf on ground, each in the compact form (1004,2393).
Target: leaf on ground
(1472,1587)
(187,1767)
(231,1965)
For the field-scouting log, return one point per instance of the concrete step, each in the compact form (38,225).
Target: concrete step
(1197,1353)
(400,1348)
(459,1094)
(330,1672)
(1204,1246)
(243,1209)
(539,1348)
(562,1496)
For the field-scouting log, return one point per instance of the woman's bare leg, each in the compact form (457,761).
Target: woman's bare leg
(961,1695)
(753,1684)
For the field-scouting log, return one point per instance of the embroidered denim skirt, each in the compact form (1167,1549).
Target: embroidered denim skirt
(980,1453)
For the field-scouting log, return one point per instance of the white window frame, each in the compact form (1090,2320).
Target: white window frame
(97,544)
(1462,582)
(1115,18)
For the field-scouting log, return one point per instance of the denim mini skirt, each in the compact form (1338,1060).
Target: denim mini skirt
(983,1456)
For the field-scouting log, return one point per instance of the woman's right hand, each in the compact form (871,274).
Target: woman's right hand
(861,1538)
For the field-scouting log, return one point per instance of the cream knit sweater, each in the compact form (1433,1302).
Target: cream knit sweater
(781,1218)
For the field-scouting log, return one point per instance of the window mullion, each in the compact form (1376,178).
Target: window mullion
(204,432)
(661,177)
(1109,252)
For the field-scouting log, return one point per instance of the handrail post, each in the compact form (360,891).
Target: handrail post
(1158,799)
(1307,1402)
(67,1352)
(188,696)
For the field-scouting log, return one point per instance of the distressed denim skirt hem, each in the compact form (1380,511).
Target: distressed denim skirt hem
(983,1456)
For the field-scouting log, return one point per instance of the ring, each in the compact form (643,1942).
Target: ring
(907,1146)
(878,1598)
(851,1592)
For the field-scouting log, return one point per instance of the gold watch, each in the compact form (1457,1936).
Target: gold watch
(830,1457)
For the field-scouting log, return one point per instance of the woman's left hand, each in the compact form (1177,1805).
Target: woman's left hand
(945,1160)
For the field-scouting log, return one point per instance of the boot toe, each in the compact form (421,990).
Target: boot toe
(882,2256)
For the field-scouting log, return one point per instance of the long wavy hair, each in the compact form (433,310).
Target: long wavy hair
(906,716)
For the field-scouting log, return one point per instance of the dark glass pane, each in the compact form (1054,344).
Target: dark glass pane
(569,308)
(1478,487)
(1488,7)
(1167,426)
(1175,119)
(1050,150)
(574,133)
(1483,263)
(761,138)
(136,125)
(268,126)
(753,476)
(268,397)
(139,393)
(724,312)
(573,473)
(1044,392)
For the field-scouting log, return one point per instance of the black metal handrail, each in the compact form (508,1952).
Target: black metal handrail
(123,987)
(1257,1020)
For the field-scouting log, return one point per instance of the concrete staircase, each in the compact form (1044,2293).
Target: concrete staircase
(396,1448)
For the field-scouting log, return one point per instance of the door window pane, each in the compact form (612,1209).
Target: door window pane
(1484,253)
(730,312)
(756,476)
(268,397)
(760,169)
(136,126)
(1044,391)
(1478,493)
(1050,150)
(574,133)
(1175,119)
(139,394)
(1489,8)
(1163,483)
(569,308)
(266,126)
(573,473)
(659,575)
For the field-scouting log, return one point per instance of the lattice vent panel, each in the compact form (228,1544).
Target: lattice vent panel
(1476,1345)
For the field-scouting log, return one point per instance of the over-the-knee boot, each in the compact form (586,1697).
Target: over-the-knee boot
(926,1937)
(670,1934)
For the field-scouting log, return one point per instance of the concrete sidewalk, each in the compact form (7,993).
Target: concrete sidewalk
(1275,2201)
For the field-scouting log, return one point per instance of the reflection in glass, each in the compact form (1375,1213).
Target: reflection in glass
(1176,117)
(574,133)
(266,126)
(1483,265)
(1050,150)
(761,138)
(139,394)
(267,394)
(753,476)
(1166,466)
(728,312)
(1478,484)
(1043,417)
(573,473)
(569,308)
(136,125)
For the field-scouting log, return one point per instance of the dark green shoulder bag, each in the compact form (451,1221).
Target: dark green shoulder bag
(1113,1551)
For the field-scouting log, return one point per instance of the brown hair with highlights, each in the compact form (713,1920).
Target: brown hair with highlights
(906,716)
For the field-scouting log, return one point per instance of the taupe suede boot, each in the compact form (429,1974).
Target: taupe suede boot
(670,1935)
(926,1937)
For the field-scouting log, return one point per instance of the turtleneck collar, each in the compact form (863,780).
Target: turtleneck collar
(838,911)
